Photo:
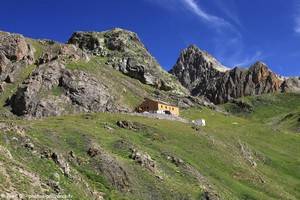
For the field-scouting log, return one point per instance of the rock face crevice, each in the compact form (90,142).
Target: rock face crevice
(204,76)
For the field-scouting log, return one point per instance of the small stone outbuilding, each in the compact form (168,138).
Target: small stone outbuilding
(199,122)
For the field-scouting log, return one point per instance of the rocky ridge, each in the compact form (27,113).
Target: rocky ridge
(202,77)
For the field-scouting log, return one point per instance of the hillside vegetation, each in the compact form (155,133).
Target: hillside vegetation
(252,156)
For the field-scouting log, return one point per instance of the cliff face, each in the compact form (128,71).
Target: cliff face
(235,83)
(203,75)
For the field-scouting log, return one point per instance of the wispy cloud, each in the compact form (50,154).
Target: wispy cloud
(196,9)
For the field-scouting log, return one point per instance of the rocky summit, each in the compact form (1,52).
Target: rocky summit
(203,75)
(126,53)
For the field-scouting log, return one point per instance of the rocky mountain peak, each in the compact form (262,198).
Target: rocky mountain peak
(126,53)
(259,67)
(261,72)
(116,39)
(203,75)
(195,66)
(203,58)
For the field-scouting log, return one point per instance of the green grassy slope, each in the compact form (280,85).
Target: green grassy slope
(278,111)
(223,152)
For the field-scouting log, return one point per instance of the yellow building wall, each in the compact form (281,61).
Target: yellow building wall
(149,106)
(173,110)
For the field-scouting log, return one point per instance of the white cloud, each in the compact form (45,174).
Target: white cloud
(196,9)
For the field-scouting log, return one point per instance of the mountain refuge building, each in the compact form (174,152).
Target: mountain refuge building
(156,106)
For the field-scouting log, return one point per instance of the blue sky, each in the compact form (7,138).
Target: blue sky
(236,32)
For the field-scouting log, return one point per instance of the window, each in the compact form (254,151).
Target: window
(172,108)
(162,106)
(166,107)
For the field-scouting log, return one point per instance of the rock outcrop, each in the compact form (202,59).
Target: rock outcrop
(144,160)
(204,76)
(79,92)
(51,50)
(291,85)
(63,165)
(15,48)
(110,167)
(15,53)
(125,52)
